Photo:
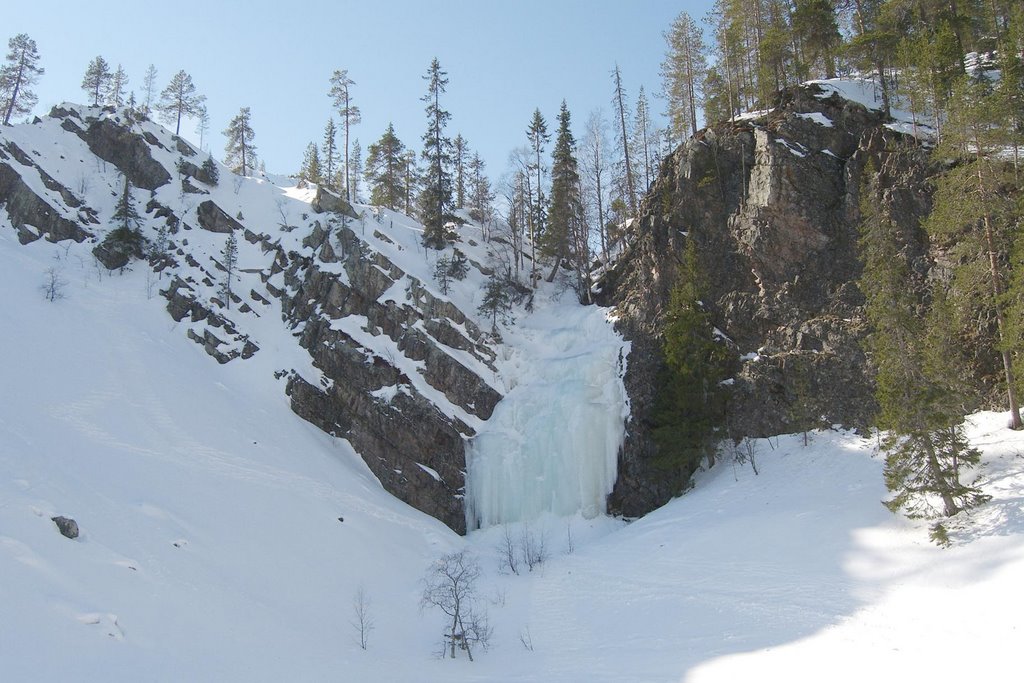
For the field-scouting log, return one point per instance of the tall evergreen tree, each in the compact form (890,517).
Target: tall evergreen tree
(118,87)
(816,29)
(385,170)
(919,397)
(971,203)
(537,132)
(329,157)
(622,112)
(239,152)
(643,138)
(341,92)
(126,238)
(179,99)
(682,75)
(148,90)
(96,78)
(690,398)
(436,198)
(230,264)
(203,125)
(566,212)
(356,170)
(19,73)
(481,196)
(460,160)
(310,171)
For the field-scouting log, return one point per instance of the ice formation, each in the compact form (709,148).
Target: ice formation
(552,444)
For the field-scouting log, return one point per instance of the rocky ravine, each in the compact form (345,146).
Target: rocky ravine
(391,365)
(773,206)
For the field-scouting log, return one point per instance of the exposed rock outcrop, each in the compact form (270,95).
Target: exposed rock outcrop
(773,206)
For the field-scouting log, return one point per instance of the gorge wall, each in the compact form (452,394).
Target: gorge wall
(772,205)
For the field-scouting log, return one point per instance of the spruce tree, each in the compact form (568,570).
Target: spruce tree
(356,170)
(179,99)
(126,237)
(460,160)
(230,262)
(117,87)
(209,171)
(148,90)
(327,161)
(971,204)
(920,401)
(436,197)
(481,196)
(690,399)
(537,132)
(496,303)
(239,150)
(385,170)
(442,274)
(566,206)
(97,75)
(19,73)
(310,171)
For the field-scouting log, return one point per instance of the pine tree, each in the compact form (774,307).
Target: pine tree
(117,87)
(971,203)
(919,397)
(329,159)
(230,256)
(97,75)
(310,171)
(209,171)
(816,29)
(689,401)
(239,152)
(178,100)
(537,132)
(17,76)
(341,92)
(436,198)
(203,125)
(356,170)
(442,275)
(385,170)
(481,196)
(148,90)
(126,237)
(622,111)
(566,211)
(460,159)
(682,75)
(496,303)
(412,179)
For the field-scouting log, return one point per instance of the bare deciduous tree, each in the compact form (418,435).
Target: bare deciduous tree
(362,621)
(53,284)
(450,586)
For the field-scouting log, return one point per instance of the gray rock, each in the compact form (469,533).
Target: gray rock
(773,208)
(327,201)
(67,526)
(213,218)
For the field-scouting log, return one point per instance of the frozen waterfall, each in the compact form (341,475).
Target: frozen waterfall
(552,444)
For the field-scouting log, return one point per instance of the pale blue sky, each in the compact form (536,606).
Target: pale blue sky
(503,60)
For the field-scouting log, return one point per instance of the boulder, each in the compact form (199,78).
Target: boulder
(67,526)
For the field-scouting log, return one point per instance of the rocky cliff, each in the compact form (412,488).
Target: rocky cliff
(364,347)
(772,204)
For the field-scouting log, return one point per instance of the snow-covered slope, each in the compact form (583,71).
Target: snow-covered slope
(339,303)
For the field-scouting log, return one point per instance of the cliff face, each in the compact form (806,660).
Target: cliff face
(772,204)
